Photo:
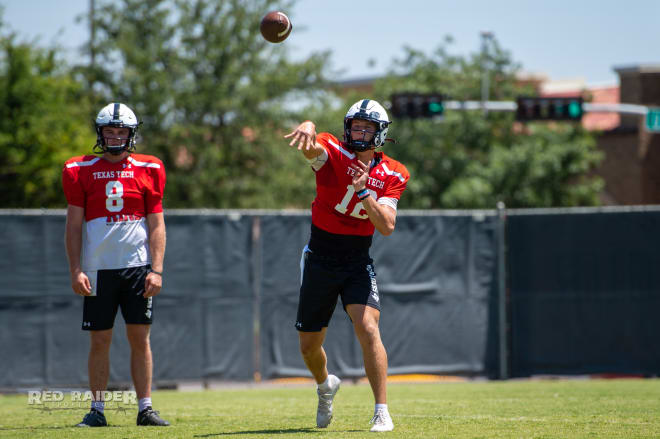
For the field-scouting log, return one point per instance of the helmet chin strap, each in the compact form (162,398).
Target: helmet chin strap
(115,151)
(103,148)
(362,146)
(354,149)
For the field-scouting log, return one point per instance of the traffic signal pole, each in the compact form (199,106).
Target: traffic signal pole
(415,105)
(485,84)
(616,108)
(512,106)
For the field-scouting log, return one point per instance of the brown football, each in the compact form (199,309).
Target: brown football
(275,27)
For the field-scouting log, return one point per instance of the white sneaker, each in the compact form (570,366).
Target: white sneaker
(382,421)
(324,410)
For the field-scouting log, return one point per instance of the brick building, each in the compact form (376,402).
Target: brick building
(631,168)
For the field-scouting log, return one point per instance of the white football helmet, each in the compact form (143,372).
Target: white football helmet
(366,109)
(119,116)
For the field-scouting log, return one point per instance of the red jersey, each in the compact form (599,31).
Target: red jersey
(336,208)
(116,197)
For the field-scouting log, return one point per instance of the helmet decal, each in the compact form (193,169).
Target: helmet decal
(115,112)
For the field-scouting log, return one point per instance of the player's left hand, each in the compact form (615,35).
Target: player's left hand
(152,285)
(361,175)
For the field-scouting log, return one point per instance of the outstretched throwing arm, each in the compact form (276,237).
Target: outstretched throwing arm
(305,135)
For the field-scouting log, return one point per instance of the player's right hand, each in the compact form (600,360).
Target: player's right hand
(305,135)
(80,284)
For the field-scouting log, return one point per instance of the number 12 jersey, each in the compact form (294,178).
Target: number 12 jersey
(336,208)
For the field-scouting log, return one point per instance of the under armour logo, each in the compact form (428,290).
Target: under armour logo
(88,324)
(379,172)
(298,324)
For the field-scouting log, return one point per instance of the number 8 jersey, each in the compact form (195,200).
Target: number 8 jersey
(336,208)
(116,197)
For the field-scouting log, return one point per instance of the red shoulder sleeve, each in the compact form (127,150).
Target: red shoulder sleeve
(323,138)
(398,178)
(334,147)
(73,190)
(156,188)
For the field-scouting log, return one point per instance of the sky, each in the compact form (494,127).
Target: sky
(562,39)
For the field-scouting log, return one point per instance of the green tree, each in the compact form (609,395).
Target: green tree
(43,121)
(214,95)
(471,161)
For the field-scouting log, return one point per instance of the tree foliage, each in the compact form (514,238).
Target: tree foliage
(43,121)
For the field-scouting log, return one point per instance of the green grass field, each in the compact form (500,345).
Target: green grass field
(517,409)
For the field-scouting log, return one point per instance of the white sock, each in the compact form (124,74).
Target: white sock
(143,403)
(383,407)
(325,385)
(98,406)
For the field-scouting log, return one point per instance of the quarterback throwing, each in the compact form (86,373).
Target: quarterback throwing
(357,192)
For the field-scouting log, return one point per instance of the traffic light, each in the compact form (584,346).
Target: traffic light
(417,105)
(555,108)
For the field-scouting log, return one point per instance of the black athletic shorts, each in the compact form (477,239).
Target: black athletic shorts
(118,288)
(324,279)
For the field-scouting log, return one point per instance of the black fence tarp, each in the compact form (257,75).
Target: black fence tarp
(584,292)
(229,300)
(436,281)
(583,297)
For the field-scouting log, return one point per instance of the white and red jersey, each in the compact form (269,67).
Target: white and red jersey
(336,208)
(116,197)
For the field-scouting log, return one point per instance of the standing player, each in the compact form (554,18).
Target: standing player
(357,191)
(117,260)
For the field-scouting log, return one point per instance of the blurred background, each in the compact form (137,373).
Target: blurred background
(569,251)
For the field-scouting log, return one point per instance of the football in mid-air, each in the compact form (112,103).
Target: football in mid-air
(275,27)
